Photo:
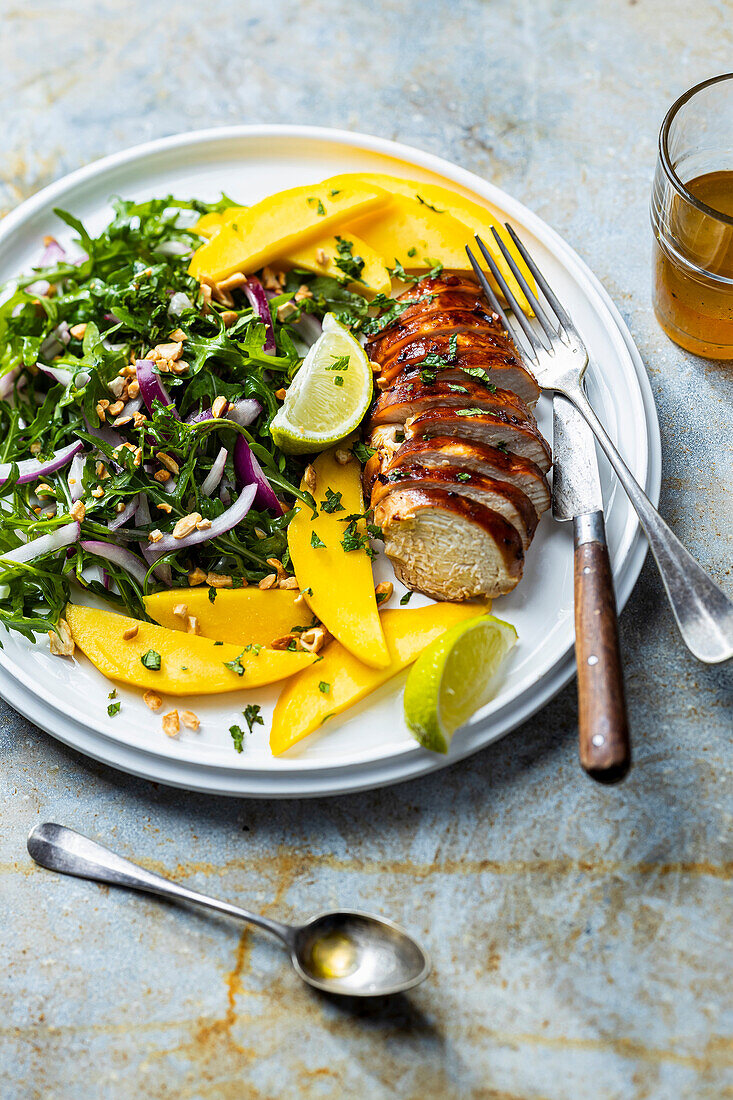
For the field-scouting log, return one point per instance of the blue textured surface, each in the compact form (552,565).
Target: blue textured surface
(579,933)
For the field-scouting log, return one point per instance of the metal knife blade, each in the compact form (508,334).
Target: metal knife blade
(576,484)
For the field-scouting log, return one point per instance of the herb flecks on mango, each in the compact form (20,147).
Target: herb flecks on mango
(242,616)
(330,559)
(269,230)
(172,663)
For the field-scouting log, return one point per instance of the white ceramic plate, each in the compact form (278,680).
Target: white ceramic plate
(369,746)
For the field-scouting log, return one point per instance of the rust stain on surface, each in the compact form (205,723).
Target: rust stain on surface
(561,866)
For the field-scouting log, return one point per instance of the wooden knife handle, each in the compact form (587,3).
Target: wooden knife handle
(605,750)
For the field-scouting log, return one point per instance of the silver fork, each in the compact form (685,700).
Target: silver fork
(559,359)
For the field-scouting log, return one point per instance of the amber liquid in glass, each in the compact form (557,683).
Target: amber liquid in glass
(693,283)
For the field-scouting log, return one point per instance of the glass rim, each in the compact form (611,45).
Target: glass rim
(666,160)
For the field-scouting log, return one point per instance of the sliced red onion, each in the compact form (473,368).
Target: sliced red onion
(52,254)
(105,434)
(225,495)
(219,526)
(59,374)
(248,471)
(244,412)
(133,406)
(178,303)
(76,476)
(151,387)
(62,536)
(119,556)
(257,298)
(32,468)
(174,248)
(309,327)
(214,475)
(127,513)
(7,382)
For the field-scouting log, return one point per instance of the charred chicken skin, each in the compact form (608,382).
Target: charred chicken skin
(457,479)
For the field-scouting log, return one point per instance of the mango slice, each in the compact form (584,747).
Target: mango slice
(280,223)
(209,224)
(374,276)
(242,616)
(304,704)
(189,665)
(435,236)
(338,584)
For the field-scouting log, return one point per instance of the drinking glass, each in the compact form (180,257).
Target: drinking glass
(692,219)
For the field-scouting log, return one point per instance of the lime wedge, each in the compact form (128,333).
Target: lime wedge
(454,677)
(329,395)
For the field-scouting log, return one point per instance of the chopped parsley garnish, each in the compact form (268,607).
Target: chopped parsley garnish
(112,694)
(351,265)
(393,308)
(424,202)
(252,715)
(406,598)
(334,191)
(113,708)
(151,660)
(480,375)
(316,542)
(320,208)
(339,363)
(252,647)
(324,687)
(237,737)
(362,452)
(338,380)
(473,411)
(212,594)
(463,475)
(235,665)
(455,388)
(411,252)
(502,447)
(332,503)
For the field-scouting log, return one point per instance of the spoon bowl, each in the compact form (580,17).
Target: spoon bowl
(358,955)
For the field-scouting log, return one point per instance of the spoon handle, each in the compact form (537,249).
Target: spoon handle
(70,853)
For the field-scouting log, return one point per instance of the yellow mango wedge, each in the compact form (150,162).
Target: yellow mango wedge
(189,665)
(440,236)
(279,224)
(374,276)
(243,616)
(304,705)
(209,224)
(338,584)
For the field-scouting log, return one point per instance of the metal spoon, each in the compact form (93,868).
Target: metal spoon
(347,952)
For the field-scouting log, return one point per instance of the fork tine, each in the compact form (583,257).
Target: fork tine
(487,289)
(495,304)
(515,307)
(528,292)
(558,310)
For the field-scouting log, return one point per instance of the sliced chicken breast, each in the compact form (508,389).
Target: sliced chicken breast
(454,360)
(449,547)
(447,451)
(501,496)
(410,398)
(429,323)
(493,430)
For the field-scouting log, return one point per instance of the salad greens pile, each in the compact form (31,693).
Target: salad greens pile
(70,335)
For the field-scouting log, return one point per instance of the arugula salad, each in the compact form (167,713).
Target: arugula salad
(135,405)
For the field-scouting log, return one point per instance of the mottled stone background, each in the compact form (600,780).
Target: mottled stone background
(579,933)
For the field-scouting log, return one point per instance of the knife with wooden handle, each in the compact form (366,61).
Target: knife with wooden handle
(605,750)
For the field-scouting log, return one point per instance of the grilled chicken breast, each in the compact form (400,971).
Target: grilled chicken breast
(457,479)
(447,546)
